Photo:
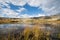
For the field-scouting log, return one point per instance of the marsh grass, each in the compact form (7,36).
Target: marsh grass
(34,33)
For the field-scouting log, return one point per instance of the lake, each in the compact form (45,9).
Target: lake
(16,28)
(11,27)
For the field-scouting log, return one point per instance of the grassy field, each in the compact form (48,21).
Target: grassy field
(34,33)
(29,21)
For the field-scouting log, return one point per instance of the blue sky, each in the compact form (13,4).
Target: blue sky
(28,8)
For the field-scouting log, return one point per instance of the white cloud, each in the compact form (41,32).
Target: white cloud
(28,16)
(38,15)
(20,10)
(10,13)
(48,6)
(7,12)
(1,15)
(3,2)
(18,2)
(34,3)
(25,16)
(15,2)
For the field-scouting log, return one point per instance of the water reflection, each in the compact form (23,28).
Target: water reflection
(10,25)
(22,25)
(46,27)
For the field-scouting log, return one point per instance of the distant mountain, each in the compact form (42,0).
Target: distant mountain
(56,16)
(52,17)
(42,17)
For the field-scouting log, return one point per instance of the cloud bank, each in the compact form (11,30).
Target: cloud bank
(49,7)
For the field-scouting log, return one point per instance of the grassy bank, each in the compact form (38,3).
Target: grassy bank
(34,33)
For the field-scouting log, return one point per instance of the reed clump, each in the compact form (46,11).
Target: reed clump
(29,33)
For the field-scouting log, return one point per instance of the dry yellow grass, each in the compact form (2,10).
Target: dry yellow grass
(34,33)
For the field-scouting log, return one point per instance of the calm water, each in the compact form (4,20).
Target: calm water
(11,25)
(6,26)
(46,27)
